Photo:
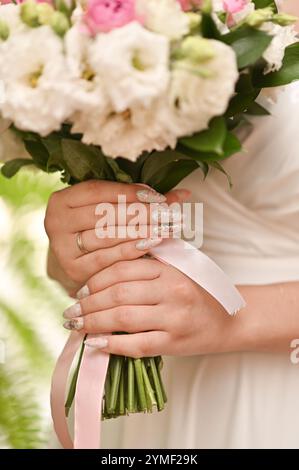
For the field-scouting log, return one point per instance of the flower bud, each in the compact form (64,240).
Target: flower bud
(4,30)
(258,17)
(194,21)
(59,23)
(45,12)
(207,6)
(196,49)
(29,13)
(283,19)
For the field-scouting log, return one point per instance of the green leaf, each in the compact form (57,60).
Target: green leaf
(255,109)
(210,140)
(248,43)
(231,146)
(265,4)
(164,170)
(171,175)
(11,168)
(83,162)
(209,28)
(119,174)
(241,102)
(219,167)
(287,74)
(38,152)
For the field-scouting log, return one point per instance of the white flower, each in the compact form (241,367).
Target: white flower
(37,86)
(10,14)
(89,92)
(130,133)
(164,17)
(282,38)
(194,99)
(11,146)
(133,64)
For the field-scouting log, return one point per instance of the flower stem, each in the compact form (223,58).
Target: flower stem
(131,386)
(117,363)
(159,393)
(149,392)
(140,385)
(159,365)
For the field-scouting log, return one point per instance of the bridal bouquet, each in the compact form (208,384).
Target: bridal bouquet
(140,91)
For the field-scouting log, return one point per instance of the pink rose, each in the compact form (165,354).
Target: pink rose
(105,15)
(234,6)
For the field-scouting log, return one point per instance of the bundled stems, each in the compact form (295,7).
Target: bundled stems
(131,386)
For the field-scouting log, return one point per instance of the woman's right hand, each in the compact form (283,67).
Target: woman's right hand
(72,211)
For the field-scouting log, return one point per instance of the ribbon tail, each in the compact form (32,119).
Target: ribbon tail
(202,270)
(58,388)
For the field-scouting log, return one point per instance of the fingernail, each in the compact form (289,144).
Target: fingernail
(166,215)
(144,245)
(83,292)
(150,195)
(167,229)
(73,311)
(97,343)
(74,324)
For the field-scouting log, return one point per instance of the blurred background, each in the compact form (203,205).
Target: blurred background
(31,305)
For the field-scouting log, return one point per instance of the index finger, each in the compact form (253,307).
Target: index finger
(96,191)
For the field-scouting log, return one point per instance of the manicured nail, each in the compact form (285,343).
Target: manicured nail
(167,229)
(82,293)
(166,215)
(150,195)
(74,324)
(147,244)
(73,311)
(97,343)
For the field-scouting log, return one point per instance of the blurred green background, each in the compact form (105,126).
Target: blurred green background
(31,335)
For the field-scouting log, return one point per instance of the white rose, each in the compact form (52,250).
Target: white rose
(37,85)
(194,99)
(164,17)
(282,38)
(133,65)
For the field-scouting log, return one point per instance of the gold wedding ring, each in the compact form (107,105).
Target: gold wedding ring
(80,243)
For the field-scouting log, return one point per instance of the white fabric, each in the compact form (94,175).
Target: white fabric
(240,400)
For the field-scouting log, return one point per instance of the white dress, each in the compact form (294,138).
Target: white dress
(239,400)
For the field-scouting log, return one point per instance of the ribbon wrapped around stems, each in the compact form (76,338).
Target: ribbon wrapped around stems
(92,374)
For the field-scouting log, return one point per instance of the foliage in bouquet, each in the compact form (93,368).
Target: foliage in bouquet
(91,86)
(136,91)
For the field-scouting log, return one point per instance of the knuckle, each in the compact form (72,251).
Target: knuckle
(144,348)
(120,270)
(119,293)
(93,186)
(123,319)
(184,292)
(90,323)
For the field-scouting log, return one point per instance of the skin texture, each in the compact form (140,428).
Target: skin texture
(165,312)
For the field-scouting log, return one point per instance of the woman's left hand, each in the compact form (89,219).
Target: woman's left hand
(164,311)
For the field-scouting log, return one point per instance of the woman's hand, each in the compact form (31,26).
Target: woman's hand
(73,211)
(166,312)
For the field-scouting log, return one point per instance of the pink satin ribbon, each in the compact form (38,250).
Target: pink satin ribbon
(94,365)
